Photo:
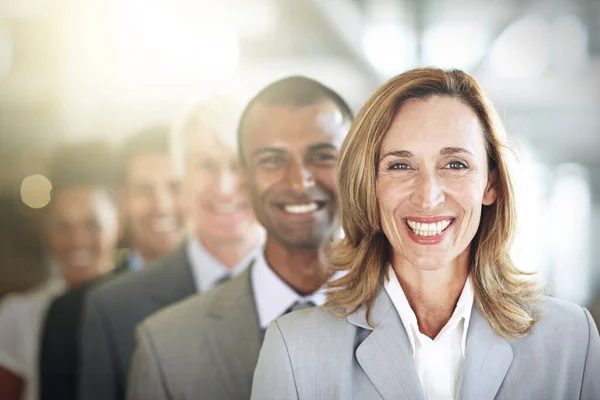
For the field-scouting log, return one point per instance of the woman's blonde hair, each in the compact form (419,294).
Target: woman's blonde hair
(503,293)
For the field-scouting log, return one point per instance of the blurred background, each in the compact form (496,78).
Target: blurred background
(75,70)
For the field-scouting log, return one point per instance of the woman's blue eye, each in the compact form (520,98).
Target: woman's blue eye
(456,165)
(399,166)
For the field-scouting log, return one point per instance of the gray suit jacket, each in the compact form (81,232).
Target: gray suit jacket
(205,347)
(313,355)
(595,310)
(112,311)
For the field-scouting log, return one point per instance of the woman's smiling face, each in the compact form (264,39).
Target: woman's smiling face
(432,181)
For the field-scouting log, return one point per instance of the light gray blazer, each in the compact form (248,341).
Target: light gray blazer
(313,355)
(595,310)
(205,347)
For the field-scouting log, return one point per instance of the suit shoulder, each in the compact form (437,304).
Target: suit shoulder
(176,317)
(128,284)
(311,321)
(107,290)
(561,317)
(313,337)
(191,311)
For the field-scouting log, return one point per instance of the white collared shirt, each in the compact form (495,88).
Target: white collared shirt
(207,270)
(273,297)
(438,362)
(21,320)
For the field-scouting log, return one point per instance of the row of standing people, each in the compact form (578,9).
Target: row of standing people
(181,186)
(95,193)
(425,301)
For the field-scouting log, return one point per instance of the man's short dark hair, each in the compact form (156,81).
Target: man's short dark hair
(295,91)
(153,139)
(82,164)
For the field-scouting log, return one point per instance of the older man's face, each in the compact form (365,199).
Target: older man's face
(214,190)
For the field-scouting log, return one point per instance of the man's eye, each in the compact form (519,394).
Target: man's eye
(271,160)
(205,165)
(142,190)
(325,157)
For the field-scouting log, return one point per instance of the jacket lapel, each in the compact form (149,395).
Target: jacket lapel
(172,280)
(236,338)
(386,355)
(488,358)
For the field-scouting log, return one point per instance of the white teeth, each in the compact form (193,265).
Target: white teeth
(301,208)
(423,229)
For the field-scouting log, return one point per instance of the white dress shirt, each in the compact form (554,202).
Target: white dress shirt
(273,297)
(21,316)
(439,361)
(207,270)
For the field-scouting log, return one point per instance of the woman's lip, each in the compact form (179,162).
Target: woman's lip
(427,240)
(430,220)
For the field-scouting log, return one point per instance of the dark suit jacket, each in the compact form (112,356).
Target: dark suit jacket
(112,311)
(205,347)
(59,356)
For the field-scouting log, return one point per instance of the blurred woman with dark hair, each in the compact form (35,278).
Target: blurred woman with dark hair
(81,229)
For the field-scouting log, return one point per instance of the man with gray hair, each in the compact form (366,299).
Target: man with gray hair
(224,237)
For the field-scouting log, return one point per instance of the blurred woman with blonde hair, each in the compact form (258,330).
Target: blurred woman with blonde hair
(431,307)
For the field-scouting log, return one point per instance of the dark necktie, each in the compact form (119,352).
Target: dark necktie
(222,279)
(300,305)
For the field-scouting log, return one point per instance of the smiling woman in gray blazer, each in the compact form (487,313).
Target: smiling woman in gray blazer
(431,307)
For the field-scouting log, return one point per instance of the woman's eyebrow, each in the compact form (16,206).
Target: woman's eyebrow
(398,153)
(446,151)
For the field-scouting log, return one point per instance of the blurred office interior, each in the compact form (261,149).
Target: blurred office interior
(72,70)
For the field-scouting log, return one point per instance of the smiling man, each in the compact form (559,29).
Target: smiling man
(150,196)
(152,213)
(224,237)
(207,346)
